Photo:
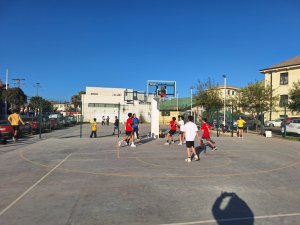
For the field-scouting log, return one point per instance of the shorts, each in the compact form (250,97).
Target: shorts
(240,128)
(116,127)
(172,132)
(128,133)
(190,144)
(206,138)
(15,128)
(181,132)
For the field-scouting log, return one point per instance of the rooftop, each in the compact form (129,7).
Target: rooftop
(290,62)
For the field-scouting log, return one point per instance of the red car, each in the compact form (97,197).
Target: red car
(6,130)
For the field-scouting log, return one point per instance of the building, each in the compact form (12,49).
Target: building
(62,106)
(101,101)
(231,91)
(281,77)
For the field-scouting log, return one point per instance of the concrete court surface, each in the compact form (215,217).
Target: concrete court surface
(65,180)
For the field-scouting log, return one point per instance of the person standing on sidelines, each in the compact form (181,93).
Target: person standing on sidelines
(135,126)
(240,127)
(94,128)
(103,121)
(129,132)
(15,120)
(116,125)
(190,130)
(205,128)
(181,132)
(173,125)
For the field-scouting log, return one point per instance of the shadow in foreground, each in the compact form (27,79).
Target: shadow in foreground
(230,209)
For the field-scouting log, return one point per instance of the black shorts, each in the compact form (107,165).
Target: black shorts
(15,128)
(172,132)
(241,128)
(128,133)
(190,144)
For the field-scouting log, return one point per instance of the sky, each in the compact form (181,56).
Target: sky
(66,45)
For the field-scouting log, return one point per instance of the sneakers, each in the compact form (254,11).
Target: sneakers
(196,158)
(120,143)
(132,145)
(214,149)
(188,160)
(172,142)
(180,143)
(167,143)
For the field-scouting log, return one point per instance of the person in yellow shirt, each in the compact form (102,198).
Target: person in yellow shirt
(240,125)
(94,128)
(15,120)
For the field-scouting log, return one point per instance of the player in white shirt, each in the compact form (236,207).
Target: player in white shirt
(181,132)
(190,132)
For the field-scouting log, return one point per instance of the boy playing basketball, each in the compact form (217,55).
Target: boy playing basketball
(205,128)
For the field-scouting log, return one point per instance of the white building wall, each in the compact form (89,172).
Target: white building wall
(114,98)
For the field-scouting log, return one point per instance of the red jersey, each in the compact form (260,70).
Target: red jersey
(205,129)
(173,125)
(128,126)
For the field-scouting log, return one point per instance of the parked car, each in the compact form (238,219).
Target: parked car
(54,124)
(274,123)
(292,127)
(6,131)
(35,123)
(61,121)
(289,119)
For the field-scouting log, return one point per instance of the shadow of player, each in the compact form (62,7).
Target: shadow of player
(230,209)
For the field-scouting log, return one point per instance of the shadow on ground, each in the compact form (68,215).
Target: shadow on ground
(230,209)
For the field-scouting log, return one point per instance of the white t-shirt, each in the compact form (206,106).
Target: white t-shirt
(190,130)
(181,123)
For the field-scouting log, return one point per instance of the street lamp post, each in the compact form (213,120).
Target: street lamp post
(224,76)
(177,100)
(191,100)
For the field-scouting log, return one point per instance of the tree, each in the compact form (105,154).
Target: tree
(15,97)
(76,99)
(257,98)
(294,95)
(38,102)
(208,97)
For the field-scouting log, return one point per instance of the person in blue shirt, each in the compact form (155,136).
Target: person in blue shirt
(135,126)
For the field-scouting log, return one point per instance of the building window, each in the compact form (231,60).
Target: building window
(228,92)
(284,78)
(91,105)
(94,93)
(165,113)
(283,100)
(232,92)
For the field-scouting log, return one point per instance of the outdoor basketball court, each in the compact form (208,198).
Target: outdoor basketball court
(91,181)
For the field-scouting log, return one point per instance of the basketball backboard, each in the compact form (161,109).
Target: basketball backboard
(161,88)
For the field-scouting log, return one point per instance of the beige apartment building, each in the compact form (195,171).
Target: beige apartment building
(281,77)
(231,91)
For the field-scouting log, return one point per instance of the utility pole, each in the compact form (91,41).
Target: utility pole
(17,82)
(224,76)
(6,88)
(37,86)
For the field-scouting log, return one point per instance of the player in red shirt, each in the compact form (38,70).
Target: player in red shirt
(205,128)
(128,131)
(173,127)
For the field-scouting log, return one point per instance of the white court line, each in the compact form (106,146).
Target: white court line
(235,219)
(29,189)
